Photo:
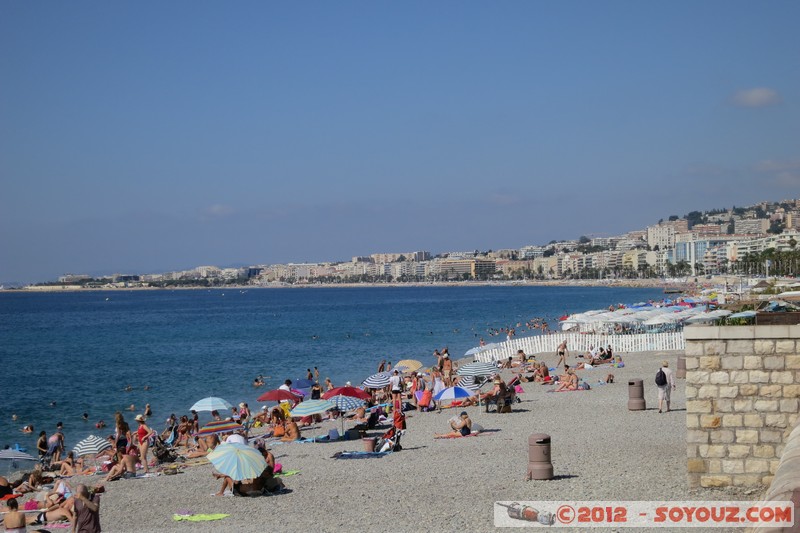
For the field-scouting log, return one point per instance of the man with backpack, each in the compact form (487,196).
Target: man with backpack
(665,381)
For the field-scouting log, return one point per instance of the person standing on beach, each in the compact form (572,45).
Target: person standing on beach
(86,517)
(666,387)
(396,386)
(143,434)
(562,353)
(447,368)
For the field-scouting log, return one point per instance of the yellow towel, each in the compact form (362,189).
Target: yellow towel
(199,517)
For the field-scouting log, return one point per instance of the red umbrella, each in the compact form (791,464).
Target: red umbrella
(347,391)
(278,395)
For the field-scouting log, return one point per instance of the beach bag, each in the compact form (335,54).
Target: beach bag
(661,378)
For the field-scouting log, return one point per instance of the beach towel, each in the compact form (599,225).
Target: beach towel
(460,436)
(199,517)
(359,455)
(288,473)
(518,389)
(10,497)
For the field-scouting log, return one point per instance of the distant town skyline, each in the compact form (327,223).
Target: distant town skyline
(149,138)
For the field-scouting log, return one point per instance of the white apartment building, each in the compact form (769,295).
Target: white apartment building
(751,226)
(661,236)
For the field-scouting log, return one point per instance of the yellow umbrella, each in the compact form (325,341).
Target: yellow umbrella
(408,365)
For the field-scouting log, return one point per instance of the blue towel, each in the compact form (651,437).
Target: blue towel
(359,455)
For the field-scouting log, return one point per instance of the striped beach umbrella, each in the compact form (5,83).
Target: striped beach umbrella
(212,403)
(16,455)
(377,381)
(477,369)
(452,393)
(311,407)
(468,382)
(345,403)
(91,445)
(237,461)
(220,426)
(408,365)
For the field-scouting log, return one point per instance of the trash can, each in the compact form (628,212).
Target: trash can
(636,395)
(681,370)
(539,463)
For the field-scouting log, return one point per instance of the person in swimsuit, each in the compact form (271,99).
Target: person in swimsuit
(562,353)
(570,383)
(41,444)
(144,433)
(122,437)
(14,521)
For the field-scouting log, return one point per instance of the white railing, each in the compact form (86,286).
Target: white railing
(581,342)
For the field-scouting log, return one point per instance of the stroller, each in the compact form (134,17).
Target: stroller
(163,452)
(390,441)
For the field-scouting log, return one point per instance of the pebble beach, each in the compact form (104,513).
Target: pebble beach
(600,451)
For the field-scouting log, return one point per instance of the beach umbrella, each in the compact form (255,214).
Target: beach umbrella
(377,381)
(477,369)
(220,426)
(452,393)
(212,403)
(278,395)
(408,365)
(347,391)
(311,407)
(345,403)
(468,382)
(237,461)
(91,445)
(16,455)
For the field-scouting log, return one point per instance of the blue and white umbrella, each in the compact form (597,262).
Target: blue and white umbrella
(345,403)
(91,445)
(477,369)
(311,407)
(212,403)
(453,393)
(377,381)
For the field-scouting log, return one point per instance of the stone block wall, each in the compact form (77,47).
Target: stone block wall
(742,399)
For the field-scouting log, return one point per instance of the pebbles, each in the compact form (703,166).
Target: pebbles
(600,451)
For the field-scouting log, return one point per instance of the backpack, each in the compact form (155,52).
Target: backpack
(661,378)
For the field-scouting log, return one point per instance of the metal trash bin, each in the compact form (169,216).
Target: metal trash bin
(539,462)
(636,395)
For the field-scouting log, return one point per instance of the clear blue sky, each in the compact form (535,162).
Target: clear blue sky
(149,136)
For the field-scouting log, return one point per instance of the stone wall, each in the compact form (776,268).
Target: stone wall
(742,399)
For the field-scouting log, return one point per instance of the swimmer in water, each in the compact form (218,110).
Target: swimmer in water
(85,417)
(147,387)
(128,388)
(52,404)
(14,417)
(27,429)
(100,424)
(132,408)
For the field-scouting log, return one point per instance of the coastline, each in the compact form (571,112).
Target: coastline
(624,283)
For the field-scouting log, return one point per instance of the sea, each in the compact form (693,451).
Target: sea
(65,354)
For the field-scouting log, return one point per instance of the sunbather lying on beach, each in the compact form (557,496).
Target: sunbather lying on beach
(29,482)
(204,445)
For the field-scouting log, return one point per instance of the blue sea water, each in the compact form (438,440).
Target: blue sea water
(80,350)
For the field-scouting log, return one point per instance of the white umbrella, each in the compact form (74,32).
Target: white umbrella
(91,445)
(212,403)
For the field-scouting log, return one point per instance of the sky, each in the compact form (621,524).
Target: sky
(140,137)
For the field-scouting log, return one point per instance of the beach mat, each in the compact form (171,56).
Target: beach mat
(287,473)
(358,455)
(199,517)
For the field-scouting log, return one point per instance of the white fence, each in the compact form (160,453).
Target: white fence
(581,342)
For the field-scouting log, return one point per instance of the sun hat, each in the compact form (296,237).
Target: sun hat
(241,405)
(139,418)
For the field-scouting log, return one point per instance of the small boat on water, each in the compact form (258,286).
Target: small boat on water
(672,290)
